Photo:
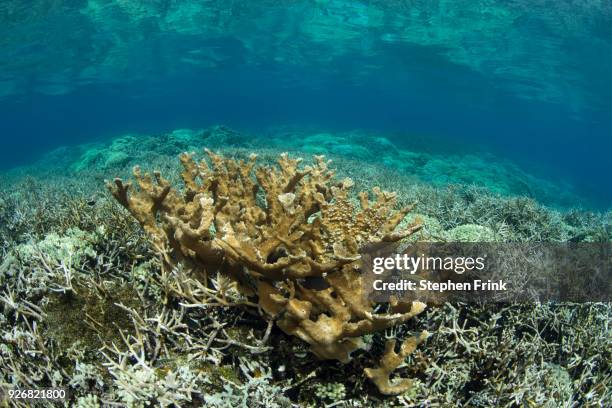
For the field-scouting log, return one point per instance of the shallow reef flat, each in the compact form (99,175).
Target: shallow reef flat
(349,150)
(91,302)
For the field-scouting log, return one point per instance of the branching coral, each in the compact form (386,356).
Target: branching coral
(290,237)
(392,360)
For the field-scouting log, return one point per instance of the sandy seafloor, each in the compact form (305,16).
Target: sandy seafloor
(83,309)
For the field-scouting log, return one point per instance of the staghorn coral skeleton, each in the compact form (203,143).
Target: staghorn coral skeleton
(290,237)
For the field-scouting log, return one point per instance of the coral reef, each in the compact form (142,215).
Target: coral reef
(301,232)
(417,161)
(86,304)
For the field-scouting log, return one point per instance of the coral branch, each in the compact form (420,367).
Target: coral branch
(392,360)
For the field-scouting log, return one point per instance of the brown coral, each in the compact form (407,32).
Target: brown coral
(392,360)
(290,236)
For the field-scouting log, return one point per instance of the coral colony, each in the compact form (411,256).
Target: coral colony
(274,237)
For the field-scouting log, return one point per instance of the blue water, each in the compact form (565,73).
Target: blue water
(530,81)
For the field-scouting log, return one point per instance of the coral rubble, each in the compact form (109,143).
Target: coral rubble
(290,237)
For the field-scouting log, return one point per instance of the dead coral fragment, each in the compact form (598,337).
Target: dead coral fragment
(289,235)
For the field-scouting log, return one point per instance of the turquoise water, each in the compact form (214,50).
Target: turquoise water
(529,81)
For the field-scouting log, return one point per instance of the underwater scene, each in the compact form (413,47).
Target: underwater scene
(307,203)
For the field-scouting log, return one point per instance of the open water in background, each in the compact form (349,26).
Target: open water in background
(530,81)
